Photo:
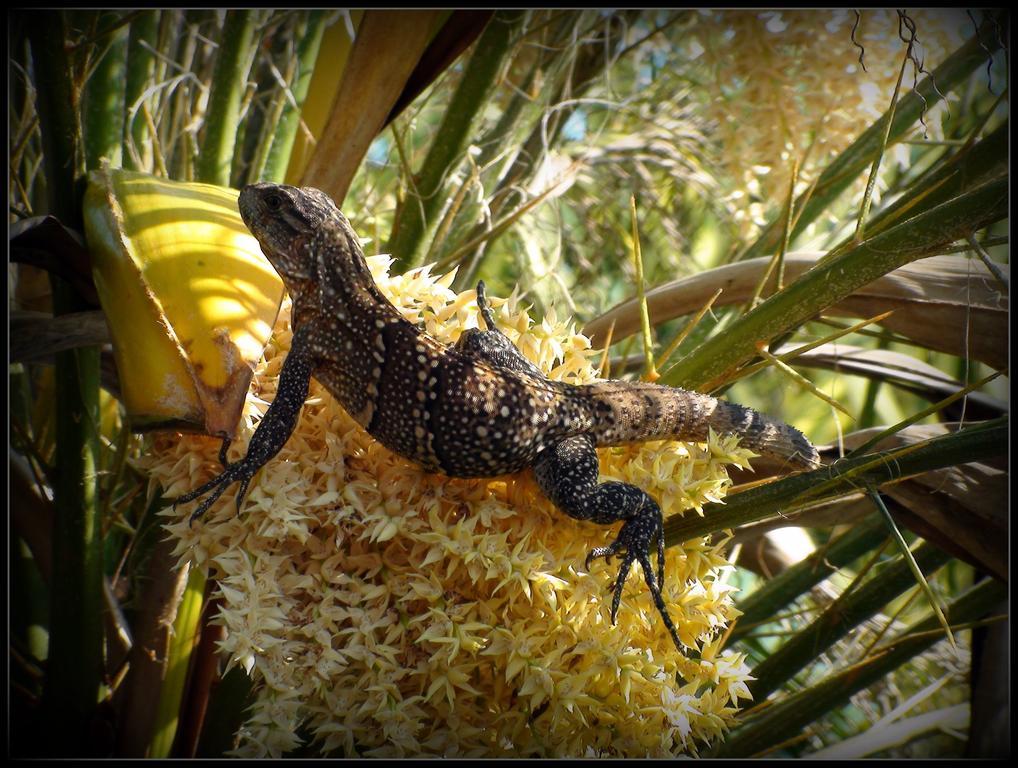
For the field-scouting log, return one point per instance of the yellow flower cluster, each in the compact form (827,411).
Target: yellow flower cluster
(788,87)
(391,612)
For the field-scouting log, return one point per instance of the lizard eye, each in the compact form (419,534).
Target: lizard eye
(274,201)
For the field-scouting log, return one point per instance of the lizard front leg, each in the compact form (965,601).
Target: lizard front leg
(567,473)
(272,433)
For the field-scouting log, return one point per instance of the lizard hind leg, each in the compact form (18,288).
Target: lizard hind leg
(567,473)
(493,346)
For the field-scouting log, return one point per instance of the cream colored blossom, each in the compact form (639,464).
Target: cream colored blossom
(788,86)
(390,612)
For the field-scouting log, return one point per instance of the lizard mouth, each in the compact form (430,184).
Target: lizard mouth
(264,221)
(280,226)
(249,204)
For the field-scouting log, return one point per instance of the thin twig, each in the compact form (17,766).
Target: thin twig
(990,265)
(871,182)
(681,337)
(650,373)
(913,566)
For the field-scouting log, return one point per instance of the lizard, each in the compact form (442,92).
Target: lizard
(476,409)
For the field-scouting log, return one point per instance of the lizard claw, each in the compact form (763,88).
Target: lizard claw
(242,491)
(605,552)
(218,485)
(222,451)
(634,539)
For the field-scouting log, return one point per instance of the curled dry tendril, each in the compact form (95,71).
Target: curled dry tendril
(986,48)
(918,66)
(856,43)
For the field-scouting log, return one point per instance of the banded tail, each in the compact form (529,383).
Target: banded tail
(628,412)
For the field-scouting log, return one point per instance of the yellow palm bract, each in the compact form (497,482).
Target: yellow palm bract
(188,295)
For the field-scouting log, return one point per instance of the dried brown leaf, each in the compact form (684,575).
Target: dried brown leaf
(37,336)
(945,303)
(456,35)
(44,242)
(388,47)
(900,370)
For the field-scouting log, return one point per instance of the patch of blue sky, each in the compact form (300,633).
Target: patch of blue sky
(378,152)
(575,128)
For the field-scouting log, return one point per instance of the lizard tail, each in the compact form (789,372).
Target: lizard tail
(628,412)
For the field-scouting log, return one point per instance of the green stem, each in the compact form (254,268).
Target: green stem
(788,717)
(179,654)
(868,411)
(76,634)
(180,112)
(971,165)
(763,603)
(140,71)
(650,372)
(289,122)
(229,81)
(845,476)
(419,215)
(57,103)
(838,276)
(103,99)
(871,182)
(929,411)
(841,617)
(71,691)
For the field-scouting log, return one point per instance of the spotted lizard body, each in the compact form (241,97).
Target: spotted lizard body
(476,409)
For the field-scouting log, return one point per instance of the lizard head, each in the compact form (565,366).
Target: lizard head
(284,220)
